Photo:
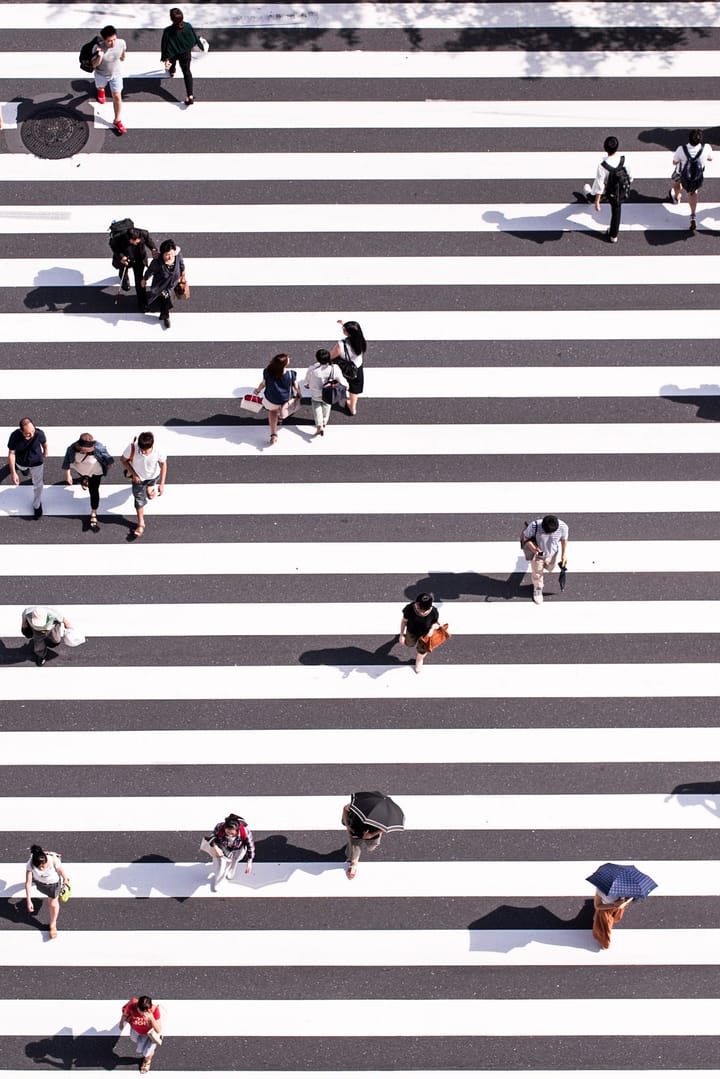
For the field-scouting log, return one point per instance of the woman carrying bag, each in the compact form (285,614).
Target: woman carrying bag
(350,354)
(45,870)
(279,386)
(166,275)
(145,1027)
(230,842)
(91,461)
(175,48)
(318,375)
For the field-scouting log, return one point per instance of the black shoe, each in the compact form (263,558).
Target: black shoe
(40,660)
(125,285)
(166,322)
(38,513)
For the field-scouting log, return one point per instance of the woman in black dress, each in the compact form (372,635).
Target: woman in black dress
(164,274)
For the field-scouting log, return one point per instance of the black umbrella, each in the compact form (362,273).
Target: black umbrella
(563,575)
(377,810)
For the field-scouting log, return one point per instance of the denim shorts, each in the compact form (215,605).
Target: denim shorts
(139,491)
(115,82)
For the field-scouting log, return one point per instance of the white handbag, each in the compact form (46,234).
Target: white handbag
(73,637)
(204,44)
(251,403)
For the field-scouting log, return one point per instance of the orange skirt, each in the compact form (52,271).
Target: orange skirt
(604,920)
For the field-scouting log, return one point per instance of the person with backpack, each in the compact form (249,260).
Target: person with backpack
(45,871)
(176,48)
(541,540)
(318,375)
(689,163)
(230,842)
(108,53)
(132,248)
(611,184)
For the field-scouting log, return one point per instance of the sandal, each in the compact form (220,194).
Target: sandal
(139,531)
(351,870)
(145,1066)
(94,526)
(273,439)
(52,930)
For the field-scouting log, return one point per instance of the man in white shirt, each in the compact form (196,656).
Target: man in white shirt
(605,186)
(541,540)
(146,466)
(689,171)
(108,54)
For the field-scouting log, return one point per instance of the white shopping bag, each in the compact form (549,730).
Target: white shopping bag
(73,637)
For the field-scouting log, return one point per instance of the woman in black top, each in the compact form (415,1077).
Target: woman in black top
(165,273)
(177,41)
(418,618)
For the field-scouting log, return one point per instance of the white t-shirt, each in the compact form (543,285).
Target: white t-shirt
(110,63)
(548,542)
(145,466)
(48,875)
(680,157)
(613,160)
(86,464)
(318,375)
(343,344)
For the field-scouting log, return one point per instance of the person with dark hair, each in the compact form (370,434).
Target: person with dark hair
(541,540)
(44,869)
(230,842)
(144,1018)
(175,48)
(360,838)
(689,163)
(107,55)
(279,385)
(132,251)
(317,375)
(608,185)
(27,450)
(418,619)
(91,461)
(166,275)
(44,626)
(350,354)
(146,467)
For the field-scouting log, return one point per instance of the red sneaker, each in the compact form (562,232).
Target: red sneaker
(120,127)
(101,97)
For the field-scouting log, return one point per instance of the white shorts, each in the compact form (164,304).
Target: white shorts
(115,82)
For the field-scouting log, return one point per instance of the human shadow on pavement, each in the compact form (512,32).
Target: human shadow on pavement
(707,404)
(17,912)
(508,927)
(90,1050)
(350,657)
(445,586)
(705,794)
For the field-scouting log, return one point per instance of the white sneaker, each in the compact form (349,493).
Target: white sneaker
(673,197)
(537,595)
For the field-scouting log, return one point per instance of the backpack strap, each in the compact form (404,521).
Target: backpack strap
(690,156)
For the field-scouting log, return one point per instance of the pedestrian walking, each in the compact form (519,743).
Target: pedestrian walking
(689,161)
(44,870)
(281,392)
(144,1019)
(611,184)
(146,467)
(44,626)
(166,277)
(176,48)
(418,619)
(27,450)
(231,841)
(541,541)
(132,249)
(362,838)
(608,911)
(108,54)
(90,460)
(318,375)
(350,351)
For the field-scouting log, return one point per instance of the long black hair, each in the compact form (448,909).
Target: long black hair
(355,337)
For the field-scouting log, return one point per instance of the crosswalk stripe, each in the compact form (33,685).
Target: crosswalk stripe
(447,439)
(231,383)
(243,499)
(383,270)
(361,64)
(340,1018)
(358,218)
(326,167)
(512,812)
(246,620)
(389,879)
(574,325)
(365,682)
(361,948)
(461,15)
(365,746)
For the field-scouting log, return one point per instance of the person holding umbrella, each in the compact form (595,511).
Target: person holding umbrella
(366,817)
(616,887)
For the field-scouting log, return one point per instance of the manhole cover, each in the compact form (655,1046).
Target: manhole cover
(55,132)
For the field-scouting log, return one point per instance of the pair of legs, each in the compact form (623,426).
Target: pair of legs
(146,1048)
(92,485)
(40,641)
(321,414)
(225,867)
(37,476)
(184,62)
(355,388)
(141,493)
(115,85)
(138,269)
(421,651)
(163,303)
(538,566)
(354,848)
(692,197)
(273,412)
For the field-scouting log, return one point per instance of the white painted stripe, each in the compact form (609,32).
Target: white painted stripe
(378,879)
(360,681)
(383,270)
(363,746)
(357,559)
(358,64)
(201,383)
(360,948)
(393,440)
(411,115)
(326,167)
(257,499)
(333,1018)
(372,15)
(355,217)
(514,812)
(126,329)
(245,620)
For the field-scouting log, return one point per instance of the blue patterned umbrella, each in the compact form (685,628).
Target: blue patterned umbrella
(622,881)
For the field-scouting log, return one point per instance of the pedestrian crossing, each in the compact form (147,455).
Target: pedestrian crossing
(419,167)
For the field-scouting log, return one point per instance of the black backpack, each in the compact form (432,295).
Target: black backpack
(617,185)
(692,173)
(86,55)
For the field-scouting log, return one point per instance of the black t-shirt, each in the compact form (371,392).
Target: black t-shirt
(419,624)
(28,451)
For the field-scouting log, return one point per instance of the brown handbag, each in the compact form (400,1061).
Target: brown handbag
(182,290)
(436,637)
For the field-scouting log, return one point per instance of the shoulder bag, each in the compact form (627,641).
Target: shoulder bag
(436,637)
(333,391)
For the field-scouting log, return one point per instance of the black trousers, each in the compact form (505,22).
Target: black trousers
(138,269)
(94,489)
(615,212)
(184,61)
